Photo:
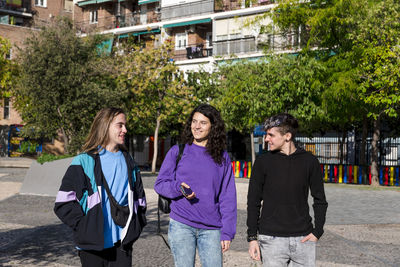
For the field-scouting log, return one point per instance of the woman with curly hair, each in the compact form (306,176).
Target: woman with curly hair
(202,189)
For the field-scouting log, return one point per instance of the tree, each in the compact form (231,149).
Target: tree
(244,99)
(7,68)
(282,83)
(63,83)
(379,68)
(363,35)
(158,94)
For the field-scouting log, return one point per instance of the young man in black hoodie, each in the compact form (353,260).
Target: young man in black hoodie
(280,183)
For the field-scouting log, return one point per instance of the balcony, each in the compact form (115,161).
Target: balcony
(235,46)
(112,22)
(187,10)
(279,42)
(193,51)
(7,7)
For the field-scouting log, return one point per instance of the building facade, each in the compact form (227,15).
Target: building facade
(205,32)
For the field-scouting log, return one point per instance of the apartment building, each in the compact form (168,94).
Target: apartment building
(205,32)
(18,18)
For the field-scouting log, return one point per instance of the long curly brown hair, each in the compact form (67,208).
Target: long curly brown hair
(216,142)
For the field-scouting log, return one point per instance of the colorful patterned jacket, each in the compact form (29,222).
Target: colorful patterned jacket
(78,203)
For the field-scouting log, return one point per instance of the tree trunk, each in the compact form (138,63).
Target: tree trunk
(155,145)
(374,155)
(363,156)
(65,140)
(253,152)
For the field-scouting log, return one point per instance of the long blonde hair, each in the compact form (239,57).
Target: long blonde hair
(98,134)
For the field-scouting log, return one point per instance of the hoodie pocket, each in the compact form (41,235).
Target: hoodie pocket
(286,218)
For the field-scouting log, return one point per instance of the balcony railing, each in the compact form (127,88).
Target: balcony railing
(19,10)
(235,46)
(187,10)
(112,22)
(193,51)
(278,42)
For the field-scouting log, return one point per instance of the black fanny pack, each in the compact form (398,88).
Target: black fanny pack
(119,214)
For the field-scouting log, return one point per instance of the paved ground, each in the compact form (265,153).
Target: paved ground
(363,228)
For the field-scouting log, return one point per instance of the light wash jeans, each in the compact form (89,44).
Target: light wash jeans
(286,251)
(183,240)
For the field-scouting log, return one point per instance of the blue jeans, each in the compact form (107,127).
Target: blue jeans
(183,240)
(286,251)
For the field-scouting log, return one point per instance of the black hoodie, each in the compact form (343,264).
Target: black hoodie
(282,183)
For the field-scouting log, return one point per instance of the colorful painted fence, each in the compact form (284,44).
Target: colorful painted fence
(241,169)
(353,174)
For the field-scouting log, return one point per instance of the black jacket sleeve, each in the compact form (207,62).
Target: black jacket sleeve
(254,196)
(67,207)
(320,204)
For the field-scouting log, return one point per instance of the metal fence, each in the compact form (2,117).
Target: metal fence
(331,149)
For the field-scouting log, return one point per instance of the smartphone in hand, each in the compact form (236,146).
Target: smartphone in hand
(186,191)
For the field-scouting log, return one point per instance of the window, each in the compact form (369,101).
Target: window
(181,40)
(93,16)
(6,108)
(41,3)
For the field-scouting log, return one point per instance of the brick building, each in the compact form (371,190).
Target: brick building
(18,18)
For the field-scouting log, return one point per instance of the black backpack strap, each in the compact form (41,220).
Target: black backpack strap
(178,158)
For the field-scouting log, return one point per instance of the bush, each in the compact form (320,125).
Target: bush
(49,157)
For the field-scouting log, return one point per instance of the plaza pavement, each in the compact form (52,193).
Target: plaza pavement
(362,229)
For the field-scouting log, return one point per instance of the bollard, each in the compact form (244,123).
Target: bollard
(360,176)
(245,170)
(331,173)
(386,175)
(326,173)
(237,169)
(355,172)
(345,178)
(249,172)
(241,172)
(335,171)
(392,178)
(350,172)
(380,175)
(397,176)
(369,175)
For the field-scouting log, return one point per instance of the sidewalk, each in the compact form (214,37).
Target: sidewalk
(7,162)
(362,229)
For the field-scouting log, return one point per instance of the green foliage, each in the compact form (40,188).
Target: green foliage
(157,89)
(204,85)
(27,147)
(363,72)
(50,157)
(380,59)
(283,83)
(8,68)
(327,24)
(63,83)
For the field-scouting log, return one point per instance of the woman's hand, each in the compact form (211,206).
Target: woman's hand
(192,195)
(225,244)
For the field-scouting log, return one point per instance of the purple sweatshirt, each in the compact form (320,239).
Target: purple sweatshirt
(214,206)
